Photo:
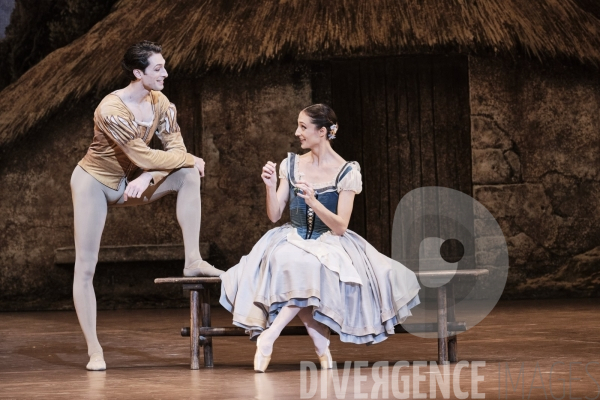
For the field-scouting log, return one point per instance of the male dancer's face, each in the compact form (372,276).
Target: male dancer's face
(154,76)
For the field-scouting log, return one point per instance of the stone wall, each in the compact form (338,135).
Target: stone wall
(248,119)
(536,167)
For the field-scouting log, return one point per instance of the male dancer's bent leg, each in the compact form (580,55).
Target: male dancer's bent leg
(186,183)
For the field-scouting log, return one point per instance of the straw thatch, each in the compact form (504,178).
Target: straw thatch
(591,6)
(198,35)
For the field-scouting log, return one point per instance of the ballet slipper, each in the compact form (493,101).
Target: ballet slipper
(325,358)
(261,362)
(97,362)
(201,268)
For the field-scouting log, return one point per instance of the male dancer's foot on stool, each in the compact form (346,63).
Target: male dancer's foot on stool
(201,268)
(97,362)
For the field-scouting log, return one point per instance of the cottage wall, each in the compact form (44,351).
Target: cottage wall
(536,167)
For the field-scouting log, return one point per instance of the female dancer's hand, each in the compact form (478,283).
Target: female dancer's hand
(308,193)
(137,186)
(269,174)
(199,164)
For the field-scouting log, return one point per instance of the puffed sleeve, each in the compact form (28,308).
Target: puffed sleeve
(283,169)
(352,179)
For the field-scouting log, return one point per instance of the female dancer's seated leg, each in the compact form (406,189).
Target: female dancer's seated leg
(318,332)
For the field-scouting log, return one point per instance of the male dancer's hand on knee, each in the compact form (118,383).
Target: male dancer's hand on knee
(199,164)
(137,186)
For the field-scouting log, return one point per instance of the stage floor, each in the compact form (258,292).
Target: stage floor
(43,355)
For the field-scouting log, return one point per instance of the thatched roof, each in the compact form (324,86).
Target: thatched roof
(591,6)
(198,35)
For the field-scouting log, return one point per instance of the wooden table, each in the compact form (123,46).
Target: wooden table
(201,332)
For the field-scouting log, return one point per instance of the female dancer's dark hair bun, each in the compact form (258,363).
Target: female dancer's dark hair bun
(136,57)
(323,116)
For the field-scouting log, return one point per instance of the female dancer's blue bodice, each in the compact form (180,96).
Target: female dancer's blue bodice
(303,218)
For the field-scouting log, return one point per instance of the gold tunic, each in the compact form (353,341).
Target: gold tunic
(120,144)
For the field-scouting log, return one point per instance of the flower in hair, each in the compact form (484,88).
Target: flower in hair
(333,130)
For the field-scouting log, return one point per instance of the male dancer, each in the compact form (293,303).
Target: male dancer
(120,169)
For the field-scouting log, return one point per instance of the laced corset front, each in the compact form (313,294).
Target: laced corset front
(303,218)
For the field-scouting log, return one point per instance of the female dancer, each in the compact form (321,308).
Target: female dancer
(314,267)
(120,169)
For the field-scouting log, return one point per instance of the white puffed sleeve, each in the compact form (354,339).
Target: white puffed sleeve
(283,169)
(352,180)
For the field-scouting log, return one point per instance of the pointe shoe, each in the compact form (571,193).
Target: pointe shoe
(201,268)
(96,363)
(325,358)
(261,362)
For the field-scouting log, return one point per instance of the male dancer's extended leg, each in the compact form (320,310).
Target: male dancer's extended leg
(186,183)
(90,206)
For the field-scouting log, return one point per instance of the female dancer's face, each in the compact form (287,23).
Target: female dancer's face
(154,76)
(308,133)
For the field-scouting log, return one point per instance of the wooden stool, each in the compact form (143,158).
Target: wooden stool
(199,305)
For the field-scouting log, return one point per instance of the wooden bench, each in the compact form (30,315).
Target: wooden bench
(201,332)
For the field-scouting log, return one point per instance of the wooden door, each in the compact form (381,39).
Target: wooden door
(406,120)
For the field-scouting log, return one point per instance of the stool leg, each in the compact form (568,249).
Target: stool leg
(194,329)
(453,338)
(208,349)
(442,326)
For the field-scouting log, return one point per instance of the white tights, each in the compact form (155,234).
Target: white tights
(316,330)
(90,203)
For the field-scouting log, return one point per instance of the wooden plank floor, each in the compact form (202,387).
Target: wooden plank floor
(43,355)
